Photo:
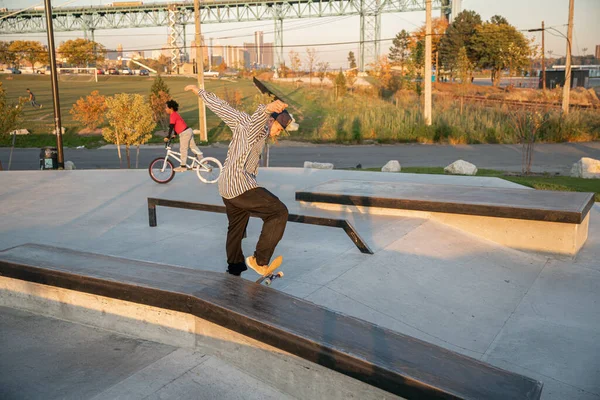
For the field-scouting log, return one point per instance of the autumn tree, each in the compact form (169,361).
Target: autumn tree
(90,111)
(417,42)
(10,113)
(322,68)
(131,122)
(7,56)
(295,62)
(311,61)
(82,52)
(30,51)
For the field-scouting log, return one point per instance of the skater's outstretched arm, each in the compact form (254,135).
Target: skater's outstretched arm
(228,114)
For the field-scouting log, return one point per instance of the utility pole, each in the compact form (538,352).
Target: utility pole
(543,58)
(200,72)
(427,111)
(54,78)
(567,85)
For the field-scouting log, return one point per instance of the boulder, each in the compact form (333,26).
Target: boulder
(461,167)
(392,166)
(317,165)
(20,132)
(69,165)
(587,168)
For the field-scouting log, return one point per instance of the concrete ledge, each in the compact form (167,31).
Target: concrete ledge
(530,220)
(388,360)
(287,372)
(535,236)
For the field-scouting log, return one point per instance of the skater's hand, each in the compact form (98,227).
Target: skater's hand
(166,139)
(277,106)
(193,88)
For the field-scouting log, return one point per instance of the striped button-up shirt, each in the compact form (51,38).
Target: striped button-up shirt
(249,134)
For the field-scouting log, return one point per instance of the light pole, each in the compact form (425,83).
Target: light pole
(200,72)
(54,78)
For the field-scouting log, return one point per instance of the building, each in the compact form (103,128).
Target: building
(268,55)
(250,48)
(204,51)
(598,51)
(258,43)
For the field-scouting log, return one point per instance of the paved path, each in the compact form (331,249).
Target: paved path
(547,157)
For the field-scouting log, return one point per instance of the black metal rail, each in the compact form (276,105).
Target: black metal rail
(302,219)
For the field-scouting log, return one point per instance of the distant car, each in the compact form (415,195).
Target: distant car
(100,71)
(113,71)
(213,74)
(144,72)
(126,71)
(15,71)
(40,71)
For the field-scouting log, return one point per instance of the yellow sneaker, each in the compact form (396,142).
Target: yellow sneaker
(264,269)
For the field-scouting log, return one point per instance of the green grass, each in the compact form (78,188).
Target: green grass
(550,182)
(40,122)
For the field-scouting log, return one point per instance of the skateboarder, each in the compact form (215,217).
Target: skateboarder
(237,185)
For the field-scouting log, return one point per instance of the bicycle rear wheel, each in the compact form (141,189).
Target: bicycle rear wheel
(156,170)
(209,170)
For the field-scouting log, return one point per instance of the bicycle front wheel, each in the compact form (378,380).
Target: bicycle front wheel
(209,170)
(161,170)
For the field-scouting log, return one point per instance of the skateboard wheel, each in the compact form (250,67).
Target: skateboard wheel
(280,274)
(268,282)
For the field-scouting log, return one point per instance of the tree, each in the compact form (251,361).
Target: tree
(417,43)
(311,60)
(82,52)
(382,69)
(459,34)
(10,113)
(30,51)
(400,56)
(340,84)
(499,20)
(526,125)
(159,85)
(465,69)
(158,104)
(6,56)
(351,60)
(130,120)
(499,47)
(295,62)
(322,68)
(90,111)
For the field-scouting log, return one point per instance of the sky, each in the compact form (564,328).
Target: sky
(311,32)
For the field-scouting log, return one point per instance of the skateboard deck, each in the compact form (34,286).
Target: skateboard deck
(271,274)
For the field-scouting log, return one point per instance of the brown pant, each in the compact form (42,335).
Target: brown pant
(261,203)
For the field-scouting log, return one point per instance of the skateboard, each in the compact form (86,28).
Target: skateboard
(271,275)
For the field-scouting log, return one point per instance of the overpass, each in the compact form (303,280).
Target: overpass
(177,15)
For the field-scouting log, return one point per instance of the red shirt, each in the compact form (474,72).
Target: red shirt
(180,125)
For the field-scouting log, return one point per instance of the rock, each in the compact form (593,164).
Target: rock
(69,165)
(20,132)
(391,166)
(461,167)
(317,165)
(587,168)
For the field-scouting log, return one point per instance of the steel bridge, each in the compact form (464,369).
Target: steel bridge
(177,15)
